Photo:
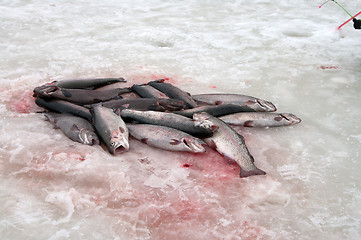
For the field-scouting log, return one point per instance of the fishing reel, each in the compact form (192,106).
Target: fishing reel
(357,23)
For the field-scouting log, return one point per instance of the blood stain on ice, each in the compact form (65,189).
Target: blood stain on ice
(328,67)
(186,165)
(22,102)
(211,165)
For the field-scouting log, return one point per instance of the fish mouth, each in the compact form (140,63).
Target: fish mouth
(119,150)
(95,141)
(291,118)
(194,146)
(88,138)
(45,90)
(266,106)
(119,147)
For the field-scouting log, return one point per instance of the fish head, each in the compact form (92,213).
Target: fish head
(290,118)
(194,145)
(203,120)
(119,141)
(260,105)
(88,137)
(45,90)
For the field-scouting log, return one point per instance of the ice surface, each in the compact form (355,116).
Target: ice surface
(286,52)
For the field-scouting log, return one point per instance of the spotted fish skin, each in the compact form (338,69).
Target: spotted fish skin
(257,104)
(111,129)
(166,138)
(228,143)
(167,119)
(75,128)
(261,119)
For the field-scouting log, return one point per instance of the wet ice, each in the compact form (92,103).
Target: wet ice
(53,188)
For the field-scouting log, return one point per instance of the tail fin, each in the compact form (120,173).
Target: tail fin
(257,171)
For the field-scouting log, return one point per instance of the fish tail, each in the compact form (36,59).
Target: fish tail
(256,171)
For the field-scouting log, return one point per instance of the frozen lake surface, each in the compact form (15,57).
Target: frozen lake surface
(283,51)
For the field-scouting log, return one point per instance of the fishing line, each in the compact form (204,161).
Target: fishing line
(323,4)
(352,17)
(357,22)
(337,4)
(342,8)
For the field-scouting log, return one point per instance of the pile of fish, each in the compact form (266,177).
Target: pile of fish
(95,111)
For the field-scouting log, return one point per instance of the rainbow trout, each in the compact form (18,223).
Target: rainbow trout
(228,143)
(111,129)
(166,138)
(257,104)
(76,128)
(261,119)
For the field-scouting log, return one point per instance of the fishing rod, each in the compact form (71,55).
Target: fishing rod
(356,22)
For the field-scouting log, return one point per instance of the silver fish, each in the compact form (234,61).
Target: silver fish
(90,83)
(166,138)
(155,104)
(80,96)
(216,110)
(75,128)
(147,91)
(111,129)
(257,104)
(173,92)
(261,119)
(167,119)
(228,143)
(62,106)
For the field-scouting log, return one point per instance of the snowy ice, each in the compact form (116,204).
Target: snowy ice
(287,52)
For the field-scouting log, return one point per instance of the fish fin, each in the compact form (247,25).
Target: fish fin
(212,144)
(156,108)
(144,140)
(65,92)
(277,119)
(74,128)
(218,102)
(175,142)
(257,171)
(118,110)
(47,117)
(125,105)
(248,123)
